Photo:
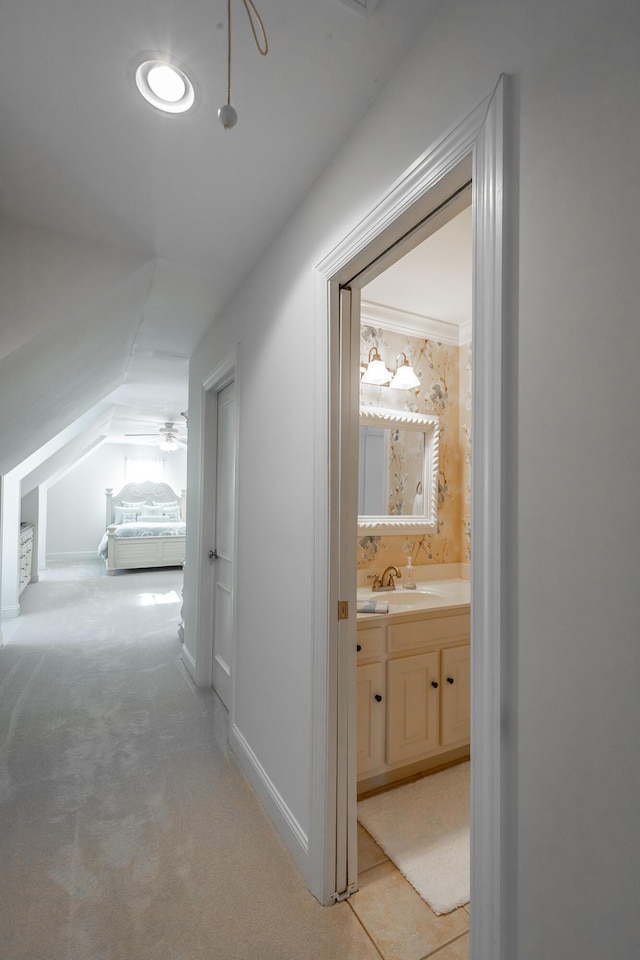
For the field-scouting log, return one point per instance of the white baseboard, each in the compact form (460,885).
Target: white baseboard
(189,662)
(10,612)
(78,557)
(288,828)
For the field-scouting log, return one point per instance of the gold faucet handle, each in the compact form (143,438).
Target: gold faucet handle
(377,582)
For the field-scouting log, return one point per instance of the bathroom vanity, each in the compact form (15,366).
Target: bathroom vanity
(413,682)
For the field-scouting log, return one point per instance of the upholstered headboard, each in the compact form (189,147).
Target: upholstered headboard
(144,493)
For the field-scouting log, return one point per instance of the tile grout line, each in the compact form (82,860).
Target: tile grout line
(369,936)
(444,946)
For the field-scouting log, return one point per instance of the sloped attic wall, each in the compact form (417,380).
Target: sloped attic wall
(69,311)
(571,824)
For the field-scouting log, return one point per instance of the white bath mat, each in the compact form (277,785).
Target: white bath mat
(423,827)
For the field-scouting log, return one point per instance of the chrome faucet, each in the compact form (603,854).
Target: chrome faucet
(386,581)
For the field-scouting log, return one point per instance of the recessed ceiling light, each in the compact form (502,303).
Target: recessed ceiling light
(165,84)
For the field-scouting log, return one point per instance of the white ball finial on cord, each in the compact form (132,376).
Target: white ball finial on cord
(227,114)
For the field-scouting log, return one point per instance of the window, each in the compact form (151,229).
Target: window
(137,470)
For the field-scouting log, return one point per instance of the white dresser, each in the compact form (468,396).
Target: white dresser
(26,555)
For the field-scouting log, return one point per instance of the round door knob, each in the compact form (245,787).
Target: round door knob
(378,697)
(358,647)
(434,684)
(449,679)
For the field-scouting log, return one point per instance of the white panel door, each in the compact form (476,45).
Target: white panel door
(223,628)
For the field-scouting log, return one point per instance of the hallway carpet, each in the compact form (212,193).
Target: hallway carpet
(127,831)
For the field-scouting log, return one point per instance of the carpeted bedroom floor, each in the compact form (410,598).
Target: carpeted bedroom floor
(127,831)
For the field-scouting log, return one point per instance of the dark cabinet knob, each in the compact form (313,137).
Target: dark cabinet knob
(378,697)
(434,684)
(358,647)
(449,679)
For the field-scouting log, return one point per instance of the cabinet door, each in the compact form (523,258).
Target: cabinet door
(370,719)
(413,706)
(455,720)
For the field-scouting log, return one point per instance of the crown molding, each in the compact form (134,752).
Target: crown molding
(414,324)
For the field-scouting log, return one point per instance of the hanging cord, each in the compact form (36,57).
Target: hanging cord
(255,21)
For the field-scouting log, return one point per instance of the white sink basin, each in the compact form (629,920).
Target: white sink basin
(419,597)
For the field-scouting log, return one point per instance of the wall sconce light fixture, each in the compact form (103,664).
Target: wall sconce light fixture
(405,376)
(376,371)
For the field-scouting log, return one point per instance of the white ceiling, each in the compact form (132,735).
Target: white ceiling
(82,153)
(433,281)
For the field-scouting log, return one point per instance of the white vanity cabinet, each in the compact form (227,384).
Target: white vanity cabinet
(371,699)
(371,694)
(413,701)
(455,695)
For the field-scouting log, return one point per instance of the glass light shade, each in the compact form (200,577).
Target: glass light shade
(405,377)
(169,444)
(376,371)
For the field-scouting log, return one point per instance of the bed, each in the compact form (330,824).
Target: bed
(145,527)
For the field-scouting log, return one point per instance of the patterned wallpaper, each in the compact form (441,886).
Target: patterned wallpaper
(465,447)
(445,391)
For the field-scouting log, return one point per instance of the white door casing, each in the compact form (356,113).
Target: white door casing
(475,148)
(223,539)
(217,379)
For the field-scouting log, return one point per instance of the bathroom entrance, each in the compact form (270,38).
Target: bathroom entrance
(416,207)
(413,569)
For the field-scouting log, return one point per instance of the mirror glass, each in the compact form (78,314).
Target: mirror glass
(398,470)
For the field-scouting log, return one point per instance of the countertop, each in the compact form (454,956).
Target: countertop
(429,596)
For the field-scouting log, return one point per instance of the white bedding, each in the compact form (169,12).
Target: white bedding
(164,528)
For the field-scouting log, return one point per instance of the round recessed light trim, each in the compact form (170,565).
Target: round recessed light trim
(165,84)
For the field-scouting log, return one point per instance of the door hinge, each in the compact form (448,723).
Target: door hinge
(343,609)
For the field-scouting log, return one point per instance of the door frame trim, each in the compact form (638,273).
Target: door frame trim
(216,380)
(482,140)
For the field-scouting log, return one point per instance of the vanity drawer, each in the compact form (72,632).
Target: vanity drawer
(371,642)
(409,636)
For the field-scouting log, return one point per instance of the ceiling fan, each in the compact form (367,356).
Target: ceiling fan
(167,436)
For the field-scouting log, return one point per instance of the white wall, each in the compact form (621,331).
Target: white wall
(76,503)
(575,394)
(65,340)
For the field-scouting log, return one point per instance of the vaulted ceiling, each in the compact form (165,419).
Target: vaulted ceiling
(123,232)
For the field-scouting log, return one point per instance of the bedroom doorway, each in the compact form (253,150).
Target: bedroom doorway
(222,554)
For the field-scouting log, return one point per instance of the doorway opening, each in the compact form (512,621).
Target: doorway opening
(473,152)
(413,561)
(218,535)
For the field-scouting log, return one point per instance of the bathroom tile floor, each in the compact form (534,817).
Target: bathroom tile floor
(398,921)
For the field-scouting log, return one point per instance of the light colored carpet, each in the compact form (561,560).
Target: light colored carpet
(127,831)
(423,827)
